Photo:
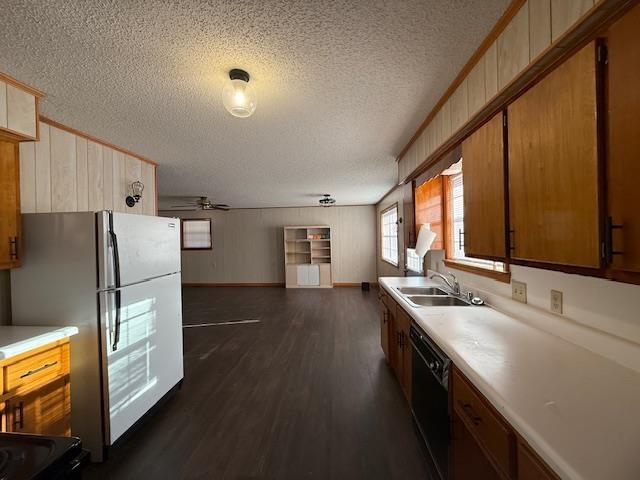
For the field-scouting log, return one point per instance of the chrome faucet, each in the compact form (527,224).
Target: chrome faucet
(454,286)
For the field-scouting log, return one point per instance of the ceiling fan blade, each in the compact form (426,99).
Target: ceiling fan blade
(218,207)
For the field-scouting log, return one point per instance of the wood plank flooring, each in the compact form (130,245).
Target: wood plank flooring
(304,393)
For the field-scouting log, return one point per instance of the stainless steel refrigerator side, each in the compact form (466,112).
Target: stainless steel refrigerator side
(56,285)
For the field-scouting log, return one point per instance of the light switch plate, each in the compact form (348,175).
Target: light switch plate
(519,291)
(556,301)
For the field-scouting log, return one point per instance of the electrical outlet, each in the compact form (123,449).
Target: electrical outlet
(519,291)
(556,301)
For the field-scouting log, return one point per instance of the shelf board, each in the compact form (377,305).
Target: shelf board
(321,256)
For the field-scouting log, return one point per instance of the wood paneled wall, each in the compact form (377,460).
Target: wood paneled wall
(529,33)
(248,244)
(67,172)
(385,269)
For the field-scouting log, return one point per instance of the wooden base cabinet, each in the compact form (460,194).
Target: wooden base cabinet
(36,392)
(484,445)
(468,460)
(394,339)
(46,410)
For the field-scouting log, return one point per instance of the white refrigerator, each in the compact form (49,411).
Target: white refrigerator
(116,277)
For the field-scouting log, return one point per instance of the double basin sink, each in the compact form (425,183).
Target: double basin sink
(431,297)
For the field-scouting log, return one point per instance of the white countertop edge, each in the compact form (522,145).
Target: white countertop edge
(35,341)
(550,456)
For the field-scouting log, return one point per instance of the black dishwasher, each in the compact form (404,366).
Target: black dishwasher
(430,398)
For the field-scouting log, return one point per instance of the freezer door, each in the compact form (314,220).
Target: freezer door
(148,360)
(147,247)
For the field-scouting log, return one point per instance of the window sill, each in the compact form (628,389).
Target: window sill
(498,275)
(389,262)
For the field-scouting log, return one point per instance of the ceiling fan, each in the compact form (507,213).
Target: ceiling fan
(201,203)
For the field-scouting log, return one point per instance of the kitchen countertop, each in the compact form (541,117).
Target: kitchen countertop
(577,409)
(15,340)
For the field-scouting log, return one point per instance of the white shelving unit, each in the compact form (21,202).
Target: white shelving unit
(307,257)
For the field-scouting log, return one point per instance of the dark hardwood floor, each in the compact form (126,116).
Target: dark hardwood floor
(304,393)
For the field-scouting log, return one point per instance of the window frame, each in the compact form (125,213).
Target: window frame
(395,205)
(183,221)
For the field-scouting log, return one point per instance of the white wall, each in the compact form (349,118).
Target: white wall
(385,269)
(598,314)
(5,298)
(248,244)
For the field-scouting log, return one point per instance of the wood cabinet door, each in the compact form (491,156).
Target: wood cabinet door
(403,321)
(468,461)
(531,467)
(623,163)
(9,205)
(384,330)
(484,191)
(395,346)
(409,216)
(553,167)
(45,411)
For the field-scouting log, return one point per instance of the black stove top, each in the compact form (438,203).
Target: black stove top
(35,456)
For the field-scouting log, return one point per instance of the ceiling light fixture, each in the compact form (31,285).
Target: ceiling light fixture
(238,95)
(327,201)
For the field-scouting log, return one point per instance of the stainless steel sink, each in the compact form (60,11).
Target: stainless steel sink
(422,291)
(434,301)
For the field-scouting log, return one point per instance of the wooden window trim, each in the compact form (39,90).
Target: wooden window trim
(504,277)
(182,221)
(469,267)
(395,205)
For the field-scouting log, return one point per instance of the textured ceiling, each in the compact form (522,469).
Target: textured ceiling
(341,85)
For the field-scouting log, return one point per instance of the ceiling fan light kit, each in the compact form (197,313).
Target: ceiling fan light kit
(202,203)
(327,201)
(238,95)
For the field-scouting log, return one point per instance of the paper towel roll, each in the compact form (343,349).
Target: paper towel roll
(425,239)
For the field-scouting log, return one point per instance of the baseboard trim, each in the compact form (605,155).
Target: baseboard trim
(233,284)
(214,285)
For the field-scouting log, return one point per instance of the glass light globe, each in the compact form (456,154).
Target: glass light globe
(239,98)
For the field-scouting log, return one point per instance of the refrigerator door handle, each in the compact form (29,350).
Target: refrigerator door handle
(116,255)
(116,326)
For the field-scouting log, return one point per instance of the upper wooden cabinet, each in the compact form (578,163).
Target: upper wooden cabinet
(553,167)
(18,109)
(409,216)
(623,175)
(484,191)
(9,205)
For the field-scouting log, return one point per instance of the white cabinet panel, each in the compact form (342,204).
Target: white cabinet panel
(107,178)
(491,71)
(539,26)
(564,13)
(82,179)
(314,275)
(21,111)
(95,173)
(64,197)
(303,275)
(513,47)
(27,177)
(3,105)
(43,171)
